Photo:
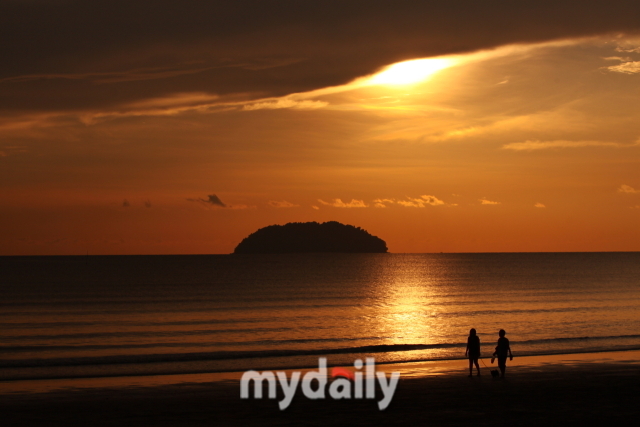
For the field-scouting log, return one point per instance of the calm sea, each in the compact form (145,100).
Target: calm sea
(129,315)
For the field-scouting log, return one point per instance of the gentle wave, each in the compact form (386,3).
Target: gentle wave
(134,334)
(44,347)
(34,325)
(450,314)
(231,355)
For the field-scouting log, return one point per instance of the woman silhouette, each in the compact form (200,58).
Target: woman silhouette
(473,350)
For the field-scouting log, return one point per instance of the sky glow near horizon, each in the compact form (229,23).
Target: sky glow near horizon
(519,146)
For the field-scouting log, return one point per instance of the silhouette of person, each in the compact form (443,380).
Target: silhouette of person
(502,351)
(473,350)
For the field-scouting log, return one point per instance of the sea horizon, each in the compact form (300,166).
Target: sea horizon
(319,253)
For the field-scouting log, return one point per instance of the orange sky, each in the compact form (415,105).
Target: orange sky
(510,142)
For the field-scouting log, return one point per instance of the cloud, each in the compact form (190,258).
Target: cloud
(421,202)
(616,58)
(627,48)
(286,103)
(631,67)
(109,77)
(174,100)
(457,133)
(338,203)
(196,102)
(410,202)
(160,106)
(380,203)
(202,97)
(315,207)
(539,205)
(488,202)
(627,189)
(214,200)
(211,199)
(282,204)
(227,47)
(542,145)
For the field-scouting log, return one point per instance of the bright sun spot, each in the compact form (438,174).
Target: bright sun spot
(409,72)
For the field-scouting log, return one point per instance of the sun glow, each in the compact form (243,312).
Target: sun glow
(410,72)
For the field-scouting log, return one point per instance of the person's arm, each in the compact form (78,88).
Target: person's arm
(510,354)
(467,350)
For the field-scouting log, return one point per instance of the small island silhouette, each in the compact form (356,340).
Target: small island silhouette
(308,237)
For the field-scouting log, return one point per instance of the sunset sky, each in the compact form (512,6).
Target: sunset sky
(166,127)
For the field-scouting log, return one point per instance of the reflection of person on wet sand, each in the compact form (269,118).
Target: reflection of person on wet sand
(502,350)
(473,350)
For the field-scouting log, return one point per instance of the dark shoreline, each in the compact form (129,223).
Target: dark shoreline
(552,394)
(150,368)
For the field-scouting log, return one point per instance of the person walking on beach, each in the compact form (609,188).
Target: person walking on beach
(473,350)
(502,350)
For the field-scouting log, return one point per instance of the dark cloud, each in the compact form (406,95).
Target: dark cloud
(211,199)
(68,55)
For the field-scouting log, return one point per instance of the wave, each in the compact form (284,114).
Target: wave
(134,334)
(38,325)
(267,354)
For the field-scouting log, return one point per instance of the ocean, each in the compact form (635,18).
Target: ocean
(98,316)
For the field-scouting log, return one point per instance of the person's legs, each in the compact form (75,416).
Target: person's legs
(477,365)
(502,364)
(470,366)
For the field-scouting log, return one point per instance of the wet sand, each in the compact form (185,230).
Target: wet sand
(543,390)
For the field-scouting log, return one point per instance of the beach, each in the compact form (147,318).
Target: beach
(164,341)
(552,390)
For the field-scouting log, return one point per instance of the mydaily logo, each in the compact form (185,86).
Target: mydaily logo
(345,384)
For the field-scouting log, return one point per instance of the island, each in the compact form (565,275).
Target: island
(309,237)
